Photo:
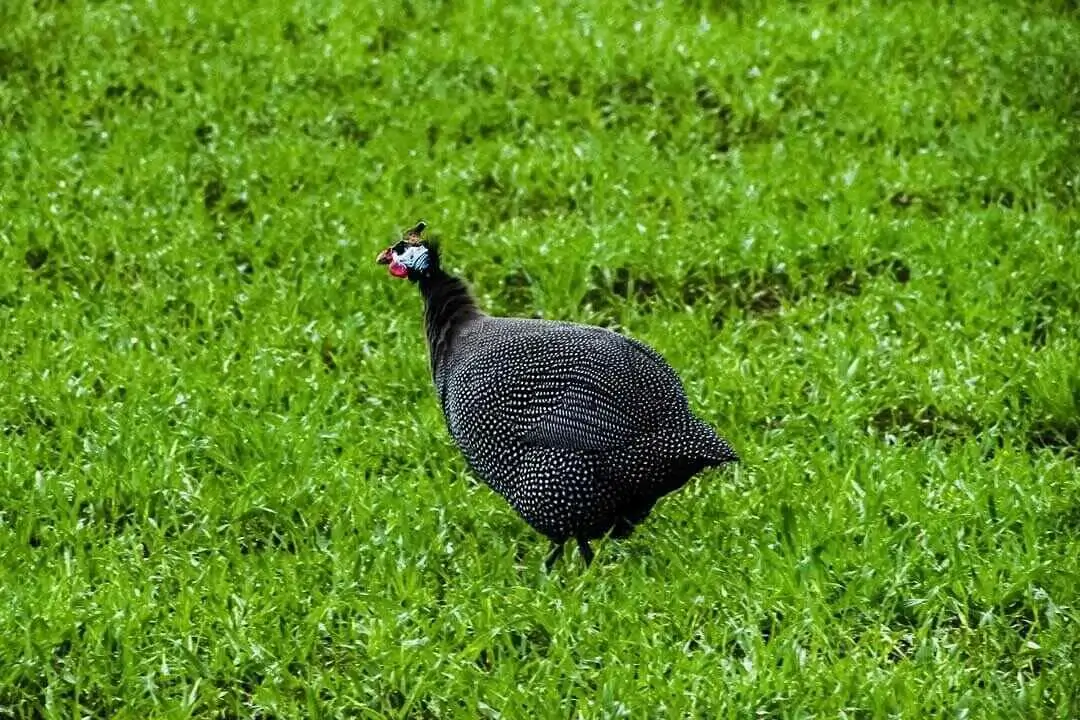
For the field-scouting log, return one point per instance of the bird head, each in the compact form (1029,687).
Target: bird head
(412,257)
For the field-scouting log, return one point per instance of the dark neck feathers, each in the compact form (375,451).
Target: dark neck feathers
(447,306)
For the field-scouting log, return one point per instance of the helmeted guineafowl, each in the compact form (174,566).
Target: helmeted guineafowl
(581,429)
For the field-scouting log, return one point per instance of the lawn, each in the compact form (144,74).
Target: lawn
(227,489)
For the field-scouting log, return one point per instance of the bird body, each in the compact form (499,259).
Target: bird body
(579,428)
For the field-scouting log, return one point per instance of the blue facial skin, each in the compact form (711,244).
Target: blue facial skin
(414,257)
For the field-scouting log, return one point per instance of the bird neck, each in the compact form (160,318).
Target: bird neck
(447,305)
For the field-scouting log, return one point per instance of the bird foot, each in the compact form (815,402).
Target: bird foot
(557,550)
(586,551)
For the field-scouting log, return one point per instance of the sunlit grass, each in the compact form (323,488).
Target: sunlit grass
(228,490)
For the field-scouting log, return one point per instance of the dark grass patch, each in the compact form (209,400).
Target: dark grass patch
(893,268)
(212,193)
(32,416)
(913,422)
(754,292)
(327,354)
(340,130)
(1061,176)
(223,210)
(1057,436)
(532,640)
(137,93)
(909,422)
(264,529)
(845,280)
(23,695)
(351,131)
(1067,520)
(1038,326)
(36,256)
(507,202)
(849,280)
(934,202)
(611,289)
(633,100)
(1053,305)
(516,293)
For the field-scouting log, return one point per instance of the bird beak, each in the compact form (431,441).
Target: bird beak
(385,257)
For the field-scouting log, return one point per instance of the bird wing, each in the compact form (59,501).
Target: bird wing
(583,420)
(605,396)
(558,386)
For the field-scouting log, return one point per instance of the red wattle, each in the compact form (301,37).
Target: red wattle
(398,270)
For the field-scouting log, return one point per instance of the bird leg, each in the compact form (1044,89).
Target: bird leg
(586,551)
(554,555)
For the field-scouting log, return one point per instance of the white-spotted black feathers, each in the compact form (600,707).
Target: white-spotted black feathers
(581,429)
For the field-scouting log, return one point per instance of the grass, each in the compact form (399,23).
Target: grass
(227,489)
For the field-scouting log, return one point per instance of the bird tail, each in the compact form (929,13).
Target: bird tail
(664,461)
(705,445)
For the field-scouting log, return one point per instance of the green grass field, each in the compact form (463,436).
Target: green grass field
(227,490)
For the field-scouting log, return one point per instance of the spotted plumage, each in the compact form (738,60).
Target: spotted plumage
(581,429)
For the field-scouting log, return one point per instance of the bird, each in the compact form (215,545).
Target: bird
(580,428)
